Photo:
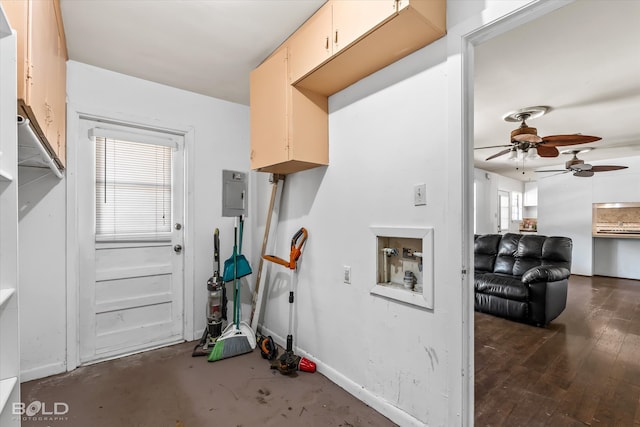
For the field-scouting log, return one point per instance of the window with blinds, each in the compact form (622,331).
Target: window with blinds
(133,190)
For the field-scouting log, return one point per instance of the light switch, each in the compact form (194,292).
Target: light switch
(420,194)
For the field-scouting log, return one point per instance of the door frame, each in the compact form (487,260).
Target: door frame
(461,44)
(74,114)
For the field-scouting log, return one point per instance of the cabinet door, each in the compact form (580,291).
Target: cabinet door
(43,45)
(353,19)
(311,45)
(58,99)
(269,97)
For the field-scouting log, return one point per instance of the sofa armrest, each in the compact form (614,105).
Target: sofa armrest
(545,274)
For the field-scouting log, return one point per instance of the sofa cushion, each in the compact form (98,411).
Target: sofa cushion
(556,251)
(545,274)
(506,253)
(503,286)
(528,254)
(517,310)
(485,250)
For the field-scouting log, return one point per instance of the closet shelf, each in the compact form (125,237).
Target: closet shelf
(5,295)
(6,388)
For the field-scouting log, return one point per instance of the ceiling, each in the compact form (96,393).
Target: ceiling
(203,46)
(581,60)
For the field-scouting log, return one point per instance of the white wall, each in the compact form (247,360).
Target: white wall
(396,128)
(565,209)
(221,141)
(487,186)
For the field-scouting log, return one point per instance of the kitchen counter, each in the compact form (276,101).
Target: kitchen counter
(617,235)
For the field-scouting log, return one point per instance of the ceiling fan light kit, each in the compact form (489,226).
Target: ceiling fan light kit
(525,142)
(582,169)
(532,153)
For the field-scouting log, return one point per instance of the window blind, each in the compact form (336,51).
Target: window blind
(133,190)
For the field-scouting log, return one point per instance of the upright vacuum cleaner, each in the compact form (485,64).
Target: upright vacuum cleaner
(216,309)
(289,362)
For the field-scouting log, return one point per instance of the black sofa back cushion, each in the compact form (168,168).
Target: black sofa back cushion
(506,253)
(485,249)
(528,254)
(517,253)
(556,251)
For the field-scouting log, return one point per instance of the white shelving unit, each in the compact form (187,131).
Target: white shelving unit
(9,330)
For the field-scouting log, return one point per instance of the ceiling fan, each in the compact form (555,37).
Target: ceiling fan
(580,168)
(525,139)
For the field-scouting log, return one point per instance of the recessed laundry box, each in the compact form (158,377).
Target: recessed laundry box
(404,264)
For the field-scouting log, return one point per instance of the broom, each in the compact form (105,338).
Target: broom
(238,338)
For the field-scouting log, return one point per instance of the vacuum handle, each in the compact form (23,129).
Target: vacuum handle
(216,251)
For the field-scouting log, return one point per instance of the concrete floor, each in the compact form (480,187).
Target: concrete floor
(168,387)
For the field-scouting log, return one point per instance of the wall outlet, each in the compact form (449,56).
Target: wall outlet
(420,194)
(347,274)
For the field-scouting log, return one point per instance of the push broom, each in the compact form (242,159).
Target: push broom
(238,338)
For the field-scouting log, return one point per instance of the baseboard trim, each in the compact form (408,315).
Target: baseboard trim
(381,405)
(42,371)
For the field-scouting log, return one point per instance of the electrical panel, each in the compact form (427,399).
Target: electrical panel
(234,193)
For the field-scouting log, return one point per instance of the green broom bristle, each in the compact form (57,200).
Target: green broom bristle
(229,347)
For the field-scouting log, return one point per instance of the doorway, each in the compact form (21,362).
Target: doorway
(130,222)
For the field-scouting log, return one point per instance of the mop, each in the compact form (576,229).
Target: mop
(238,338)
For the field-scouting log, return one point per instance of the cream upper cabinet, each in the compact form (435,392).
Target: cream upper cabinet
(288,125)
(268,100)
(352,19)
(344,41)
(335,26)
(42,75)
(311,45)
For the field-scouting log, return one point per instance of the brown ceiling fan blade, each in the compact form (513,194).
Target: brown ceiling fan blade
(607,168)
(584,174)
(501,153)
(561,140)
(493,146)
(547,151)
(556,170)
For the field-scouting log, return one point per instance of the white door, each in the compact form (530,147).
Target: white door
(503,211)
(130,213)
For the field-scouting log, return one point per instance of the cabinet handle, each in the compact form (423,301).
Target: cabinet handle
(326,44)
(336,39)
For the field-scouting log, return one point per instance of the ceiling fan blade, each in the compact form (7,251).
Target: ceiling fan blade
(501,153)
(556,170)
(547,151)
(561,140)
(584,174)
(555,174)
(493,146)
(607,168)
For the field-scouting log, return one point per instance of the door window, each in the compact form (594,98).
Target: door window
(133,190)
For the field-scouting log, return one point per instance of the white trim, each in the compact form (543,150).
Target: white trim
(143,137)
(381,405)
(75,113)
(42,371)
(462,41)
(189,235)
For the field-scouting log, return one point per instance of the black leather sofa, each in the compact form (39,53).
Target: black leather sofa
(522,277)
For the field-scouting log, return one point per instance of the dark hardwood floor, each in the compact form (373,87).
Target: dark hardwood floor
(583,369)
